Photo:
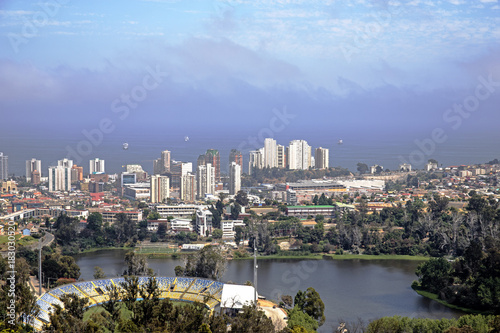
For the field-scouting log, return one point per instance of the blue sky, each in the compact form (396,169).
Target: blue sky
(348,66)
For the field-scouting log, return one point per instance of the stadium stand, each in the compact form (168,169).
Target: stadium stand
(184,289)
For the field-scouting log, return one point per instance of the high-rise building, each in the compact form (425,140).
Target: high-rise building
(60,178)
(177,170)
(205,180)
(281,151)
(236,156)
(322,158)
(32,165)
(270,153)
(4,166)
(212,156)
(188,187)
(96,166)
(255,161)
(76,173)
(157,166)
(234,178)
(35,177)
(159,188)
(299,155)
(65,163)
(165,161)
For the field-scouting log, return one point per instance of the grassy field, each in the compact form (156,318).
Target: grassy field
(107,248)
(434,297)
(27,240)
(154,250)
(375,257)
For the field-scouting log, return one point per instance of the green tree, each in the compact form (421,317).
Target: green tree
(99,273)
(210,262)
(314,306)
(251,320)
(235,211)
(136,264)
(162,230)
(154,215)
(217,233)
(241,198)
(297,317)
(238,234)
(434,275)
(362,168)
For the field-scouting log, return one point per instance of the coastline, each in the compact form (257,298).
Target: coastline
(434,297)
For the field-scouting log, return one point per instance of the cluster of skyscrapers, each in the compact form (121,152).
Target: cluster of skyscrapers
(206,180)
(297,156)
(169,175)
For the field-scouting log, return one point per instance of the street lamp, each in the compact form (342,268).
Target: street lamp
(48,281)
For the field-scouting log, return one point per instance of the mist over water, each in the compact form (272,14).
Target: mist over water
(386,149)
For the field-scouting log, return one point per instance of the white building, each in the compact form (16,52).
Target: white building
(270,153)
(234,178)
(188,187)
(96,166)
(322,158)
(32,165)
(299,155)
(256,160)
(228,228)
(405,167)
(159,188)
(65,163)
(374,168)
(4,166)
(137,191)
(165,161)
(177,211)
(431,166)
(205,180)
(204,222)
(60,178)
(178,225)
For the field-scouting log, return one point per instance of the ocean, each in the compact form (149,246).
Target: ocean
(388,149)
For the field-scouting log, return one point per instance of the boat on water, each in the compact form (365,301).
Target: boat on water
(125,146)
(186,138)
(340,142)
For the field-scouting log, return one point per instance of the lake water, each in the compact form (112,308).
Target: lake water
(350,289)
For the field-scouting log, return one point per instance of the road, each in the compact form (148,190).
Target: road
(46,241)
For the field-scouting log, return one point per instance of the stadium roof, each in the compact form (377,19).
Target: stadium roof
(235,296)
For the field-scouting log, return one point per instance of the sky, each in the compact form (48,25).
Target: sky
(372,68)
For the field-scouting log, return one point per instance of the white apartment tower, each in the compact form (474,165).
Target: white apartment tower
(32,165)
(159,188)
(255,161)
(270,153)
(165,161)
(299,155)
(188,187)
(205,180)
(96,166)
(60,178)
(234,178)
(4,166)
(321,158)
(65,163)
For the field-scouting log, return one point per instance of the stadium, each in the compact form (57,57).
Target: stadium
(209,292)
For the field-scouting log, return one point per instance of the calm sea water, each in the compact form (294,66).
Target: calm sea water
(386,149)
(350,289)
